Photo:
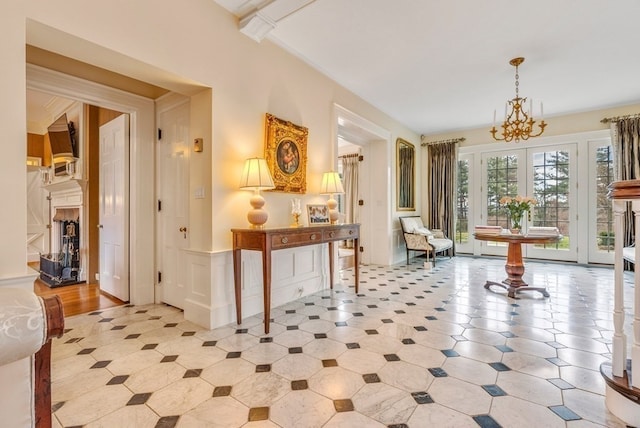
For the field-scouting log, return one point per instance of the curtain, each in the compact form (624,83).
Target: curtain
(625,137)
(350,165)
(442,163)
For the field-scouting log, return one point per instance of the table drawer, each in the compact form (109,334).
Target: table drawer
(340,234)
(286,240)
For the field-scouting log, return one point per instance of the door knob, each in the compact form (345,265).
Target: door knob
(183,229)
(99,226)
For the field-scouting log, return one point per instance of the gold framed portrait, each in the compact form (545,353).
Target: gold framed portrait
(285,151)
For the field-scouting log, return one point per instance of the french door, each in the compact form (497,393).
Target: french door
(547,173)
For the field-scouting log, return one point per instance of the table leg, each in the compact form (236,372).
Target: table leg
(356,260)
(266,281)
(237,282)
(331,264)
(515,270)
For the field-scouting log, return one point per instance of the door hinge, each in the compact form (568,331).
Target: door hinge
(159,277)
(361,202)
(159,134)
(159,205)
(361,249)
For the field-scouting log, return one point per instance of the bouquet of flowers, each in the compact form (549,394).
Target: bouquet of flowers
(517,206)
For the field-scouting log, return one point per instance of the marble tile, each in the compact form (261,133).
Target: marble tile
(261,389)
(478,351)
(436,415)
(512,411)
(228,372)
(361,361)
(589,380)
(93,405)
(297,366)
(180,396)
(154,377)
(129,416)
(469,370)
(530,388)
(302,409)
(352,420)
(406,376)
(324,349)
(461,396)
(336,383)
(384,403)
(69,388)
(219,412)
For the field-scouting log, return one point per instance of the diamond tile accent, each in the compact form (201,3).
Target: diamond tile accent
(408,342)
(169,358)
(295,350)
(222,391)
(210,343)
(565,413)
(149,346)
(422,397)
(353,346)
(501,367)
(86,351)
(494,390)
(167,421)
(344,405)
(486,421)
(391,357)
(171,324)
(263,368)
(298,385)
(118,380)
(133,336)
(234,354)
(138,399)
(101,364)
(450,353)
(371,378)
(329,363)
(189,333)
(258,414)
(266,339)
(192,373)
(438,372)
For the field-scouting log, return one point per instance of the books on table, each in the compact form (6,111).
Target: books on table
(543,231)
(488,230)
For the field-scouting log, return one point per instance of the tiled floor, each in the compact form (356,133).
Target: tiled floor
(414,349)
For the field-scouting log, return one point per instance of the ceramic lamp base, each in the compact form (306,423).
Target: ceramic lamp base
(257,216)
(334,214)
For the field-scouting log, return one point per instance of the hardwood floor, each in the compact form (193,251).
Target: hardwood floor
(78,298)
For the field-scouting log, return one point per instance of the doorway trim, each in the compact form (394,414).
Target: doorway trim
(141,155)
(377,207)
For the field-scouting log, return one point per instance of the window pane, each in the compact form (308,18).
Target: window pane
(462,219)
(604,209)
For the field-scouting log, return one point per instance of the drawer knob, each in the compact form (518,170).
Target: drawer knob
(284,240)
(313,236)
(332,234)
(351,232)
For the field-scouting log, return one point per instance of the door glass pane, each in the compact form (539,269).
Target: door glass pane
(604,210)
(462,209)
(551,189)
(502,180)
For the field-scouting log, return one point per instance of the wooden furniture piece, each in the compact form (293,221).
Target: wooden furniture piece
(419,238)
(27,325)
(267,240)
(514,265)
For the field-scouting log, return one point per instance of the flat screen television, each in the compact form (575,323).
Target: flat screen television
(62,139)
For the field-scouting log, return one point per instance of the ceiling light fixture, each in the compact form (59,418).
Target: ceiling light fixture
(518,124)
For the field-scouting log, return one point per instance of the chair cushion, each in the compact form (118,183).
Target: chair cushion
(441,244)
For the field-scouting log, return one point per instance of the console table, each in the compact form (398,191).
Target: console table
(514,265)
(267,240)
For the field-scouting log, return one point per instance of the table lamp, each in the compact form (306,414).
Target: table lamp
(256,176)
(332,184)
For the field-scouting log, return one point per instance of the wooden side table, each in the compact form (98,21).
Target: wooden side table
(267,240)
(514,265)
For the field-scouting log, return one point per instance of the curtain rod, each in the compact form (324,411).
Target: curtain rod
(452,140)
(619,118)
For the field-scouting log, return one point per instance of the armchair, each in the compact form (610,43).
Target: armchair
(419,238)
(27,323)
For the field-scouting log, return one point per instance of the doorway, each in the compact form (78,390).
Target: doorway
(356,134)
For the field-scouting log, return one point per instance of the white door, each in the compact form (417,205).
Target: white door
(600,208)
(173,196)
(114,207)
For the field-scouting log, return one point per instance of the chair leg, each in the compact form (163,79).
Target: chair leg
(407,256)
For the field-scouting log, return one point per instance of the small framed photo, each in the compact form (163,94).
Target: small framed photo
(318,214)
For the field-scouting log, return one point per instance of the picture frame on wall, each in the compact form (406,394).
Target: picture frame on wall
(286,154)
(318,214)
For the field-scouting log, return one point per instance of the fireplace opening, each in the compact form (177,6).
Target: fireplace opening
(62,267)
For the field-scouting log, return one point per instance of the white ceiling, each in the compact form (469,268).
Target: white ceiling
(443,65)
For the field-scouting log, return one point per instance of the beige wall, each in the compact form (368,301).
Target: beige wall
(187,49)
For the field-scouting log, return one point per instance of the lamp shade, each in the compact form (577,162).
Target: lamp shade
(256,175)
(331,183)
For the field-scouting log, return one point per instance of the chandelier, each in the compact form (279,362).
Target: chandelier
(518,124)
